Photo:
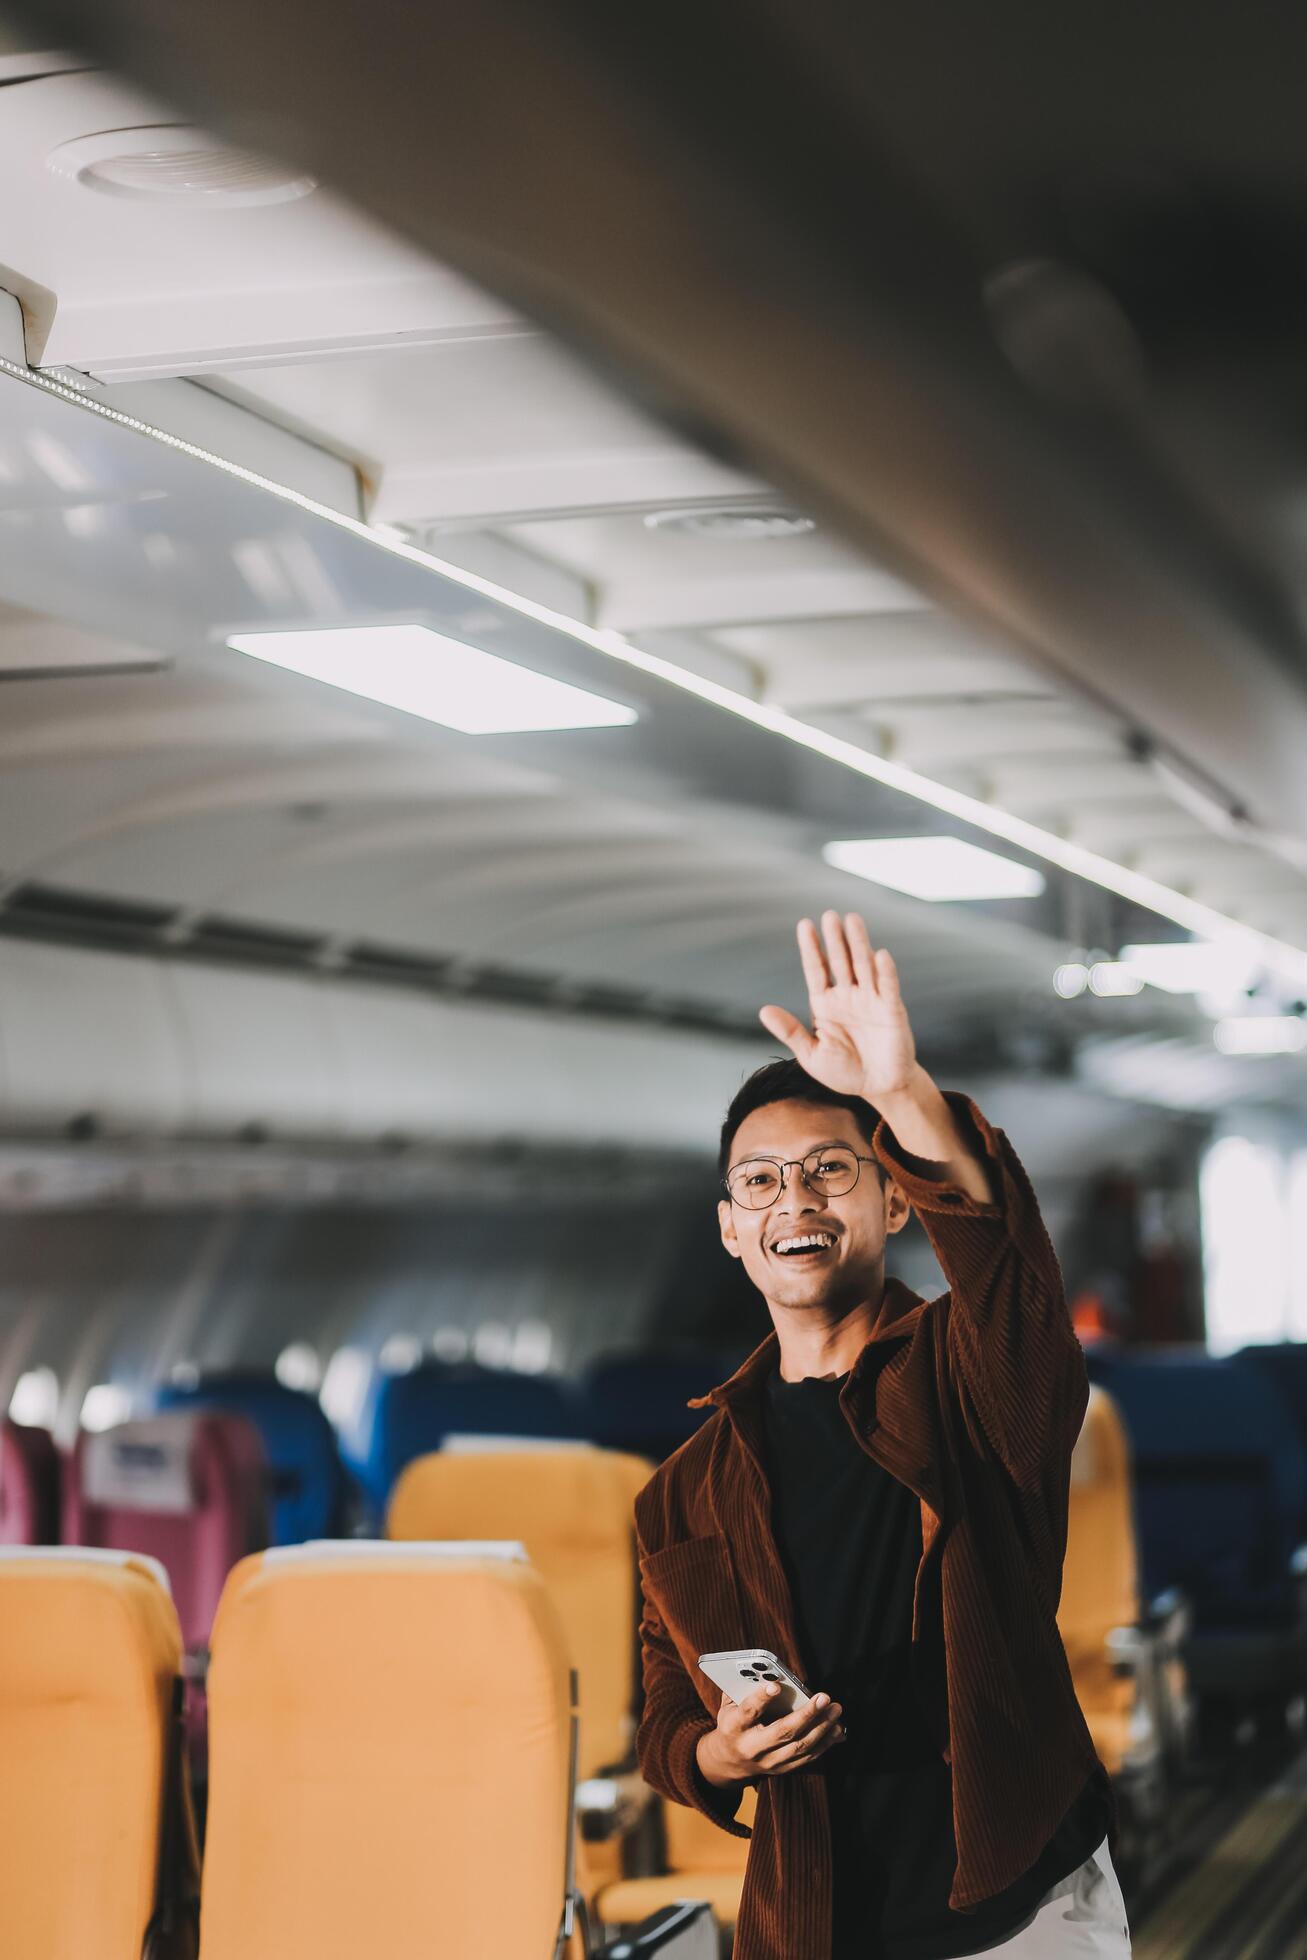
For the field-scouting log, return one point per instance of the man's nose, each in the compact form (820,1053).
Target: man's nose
(795,1187)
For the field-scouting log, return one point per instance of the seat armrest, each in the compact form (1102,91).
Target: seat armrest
(610,1806)
(195,1666)
(1127,1650)
(1168,1617)
(685,1931)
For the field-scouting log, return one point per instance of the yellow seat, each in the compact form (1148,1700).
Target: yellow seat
(571,1507)
(89,1651)
(703,1862)
(384,1719)
(1100,1585)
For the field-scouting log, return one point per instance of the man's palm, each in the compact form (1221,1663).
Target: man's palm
(861,1041)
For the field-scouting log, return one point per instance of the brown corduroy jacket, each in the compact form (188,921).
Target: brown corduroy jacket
(976,1410)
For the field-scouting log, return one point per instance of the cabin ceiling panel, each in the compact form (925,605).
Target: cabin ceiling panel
(131,287)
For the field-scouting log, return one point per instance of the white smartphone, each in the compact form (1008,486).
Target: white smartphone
(742,1670)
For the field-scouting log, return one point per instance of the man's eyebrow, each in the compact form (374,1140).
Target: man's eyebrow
(827,1143)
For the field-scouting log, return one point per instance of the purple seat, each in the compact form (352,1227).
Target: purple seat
(29,1485)
(187,1487)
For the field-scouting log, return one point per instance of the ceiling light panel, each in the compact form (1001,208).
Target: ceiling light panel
(935,867)
(1261,1034)
(438,678)
(1192,966)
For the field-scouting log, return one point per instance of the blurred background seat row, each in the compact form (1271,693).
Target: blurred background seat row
(1182,1610)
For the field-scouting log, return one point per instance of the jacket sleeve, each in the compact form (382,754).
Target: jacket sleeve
(671,1723)
(1010,1336)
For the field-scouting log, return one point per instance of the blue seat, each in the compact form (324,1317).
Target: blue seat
(637,1402)
(1220,1493)
(1283,1366)
(416,1412)
(307,1498)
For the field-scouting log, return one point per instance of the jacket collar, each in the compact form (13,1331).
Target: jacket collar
(900,1310)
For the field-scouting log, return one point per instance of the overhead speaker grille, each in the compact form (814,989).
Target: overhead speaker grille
(176,164)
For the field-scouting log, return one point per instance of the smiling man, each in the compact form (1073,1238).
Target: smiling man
(880,1498)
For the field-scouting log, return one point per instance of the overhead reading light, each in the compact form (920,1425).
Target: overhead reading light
(935,867)
(1110,979)
(1261,1034)
(1071,979)
(426,673)
(1193,966)
(175,164)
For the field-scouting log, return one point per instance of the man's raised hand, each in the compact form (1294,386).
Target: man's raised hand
(860,1043)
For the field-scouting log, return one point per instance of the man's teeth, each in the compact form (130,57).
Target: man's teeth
(808,1242)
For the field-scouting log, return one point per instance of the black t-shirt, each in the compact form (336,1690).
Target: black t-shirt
(849,1536)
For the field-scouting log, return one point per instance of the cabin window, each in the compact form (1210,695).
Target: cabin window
(298,1366)
(345,1386)
(1244,1190)
(104,1405)
(35,1399)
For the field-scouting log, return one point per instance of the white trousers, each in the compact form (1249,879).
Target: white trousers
(1083,1915)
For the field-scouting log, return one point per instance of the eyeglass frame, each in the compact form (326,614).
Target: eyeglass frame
(794,1163)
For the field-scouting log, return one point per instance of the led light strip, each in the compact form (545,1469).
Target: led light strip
(1189,913)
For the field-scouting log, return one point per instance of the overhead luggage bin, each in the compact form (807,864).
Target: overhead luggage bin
(90,1650)
(88,1043)
(392,1760)
(258,1052)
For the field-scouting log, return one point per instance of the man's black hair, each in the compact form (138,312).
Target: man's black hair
(786,1080)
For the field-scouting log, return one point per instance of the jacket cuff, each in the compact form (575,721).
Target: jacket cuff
(920,1179)
(685,1775)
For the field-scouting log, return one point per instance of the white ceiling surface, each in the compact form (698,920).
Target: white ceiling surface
(503,453)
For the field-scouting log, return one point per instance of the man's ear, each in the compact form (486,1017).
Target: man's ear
(726,1222)
(897,1209)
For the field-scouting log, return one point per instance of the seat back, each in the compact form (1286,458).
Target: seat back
(637,1402)
(695,1844)
(89,1651)
(571,1508)
(1282,1365)
(307,1485)
(1100,1587)
(384,1720)
(1220,1483)
(29,1485)
(415,1413)
(186,1487)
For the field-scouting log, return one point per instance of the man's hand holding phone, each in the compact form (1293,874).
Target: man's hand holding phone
(745,1744)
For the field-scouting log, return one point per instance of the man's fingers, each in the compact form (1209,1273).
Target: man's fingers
(837,949)
(808,1715)
(887,974)
(803,1749)
(784,1025)
(753,1706)
(814,960)
(864,960)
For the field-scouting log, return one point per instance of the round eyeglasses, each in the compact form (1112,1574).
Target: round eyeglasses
(828,1173)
